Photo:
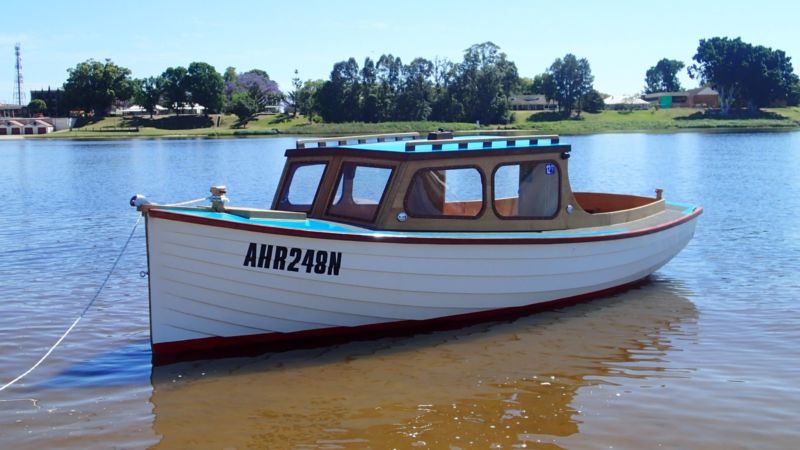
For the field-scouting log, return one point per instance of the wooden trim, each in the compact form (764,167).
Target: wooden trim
(251,345)
(438,240)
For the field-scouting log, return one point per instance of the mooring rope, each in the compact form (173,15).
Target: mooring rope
(188,202)
(88,305)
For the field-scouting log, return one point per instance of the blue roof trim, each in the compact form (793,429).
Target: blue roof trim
(400,146)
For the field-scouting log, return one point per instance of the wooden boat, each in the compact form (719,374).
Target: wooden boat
(385,234)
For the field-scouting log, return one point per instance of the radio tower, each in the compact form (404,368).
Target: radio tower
(19,96)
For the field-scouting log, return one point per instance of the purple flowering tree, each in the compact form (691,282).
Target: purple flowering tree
(257,85)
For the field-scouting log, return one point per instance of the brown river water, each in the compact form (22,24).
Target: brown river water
(705,354)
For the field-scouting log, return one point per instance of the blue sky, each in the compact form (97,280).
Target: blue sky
(621,39)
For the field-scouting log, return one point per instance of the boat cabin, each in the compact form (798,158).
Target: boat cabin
(470,183)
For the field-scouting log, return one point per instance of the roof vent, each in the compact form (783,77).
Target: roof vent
(440,134)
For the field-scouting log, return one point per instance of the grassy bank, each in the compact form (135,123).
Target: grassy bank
(664,120)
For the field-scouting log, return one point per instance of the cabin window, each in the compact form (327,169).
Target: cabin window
(301,186)
(456,192)
(359,191)
(528,190)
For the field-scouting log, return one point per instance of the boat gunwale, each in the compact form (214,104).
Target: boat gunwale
(405,239)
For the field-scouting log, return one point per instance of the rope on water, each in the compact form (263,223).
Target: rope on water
(88,305)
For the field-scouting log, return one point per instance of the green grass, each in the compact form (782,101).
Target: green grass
(658,120)
(664,120)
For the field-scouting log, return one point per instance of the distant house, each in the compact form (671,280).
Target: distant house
(11,127)
(42,127)
(702,97)
(527,102)
(9,110)
(136,110)
(186,108)
(17,127)
(625,103)
(54,99)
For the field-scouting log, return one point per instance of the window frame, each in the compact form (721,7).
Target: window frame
(335,188)
(442,216)
(518,217)
(290,173)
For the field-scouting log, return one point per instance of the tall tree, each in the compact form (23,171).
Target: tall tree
(446,106)
(148,93)
(483,82)
(547,86)
(205,86)
(339,97)
(663,77)
(389,77)
(768,77)
(294,94)
(369,91)
(414,102)
(229,76)
(175,87)
(94,85)
(264,91)
(37,106)
(244,106)
(573,79)
(307,98)
(753,75)
(718,63)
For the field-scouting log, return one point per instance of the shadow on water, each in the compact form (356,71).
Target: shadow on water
(504,383)
(123,366)
(171,122)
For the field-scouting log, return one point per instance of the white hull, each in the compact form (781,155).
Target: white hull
(202,285)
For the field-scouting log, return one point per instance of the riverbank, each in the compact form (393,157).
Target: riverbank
(665,120)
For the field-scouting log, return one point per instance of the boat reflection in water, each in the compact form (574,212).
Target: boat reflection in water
(541,378)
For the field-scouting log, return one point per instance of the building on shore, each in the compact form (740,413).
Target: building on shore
(532,102)
(11,110)
(137,111)
(20,126)
(702,97)
(629,103)
(55,101)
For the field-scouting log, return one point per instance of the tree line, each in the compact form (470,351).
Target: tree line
(476,89)
(94,86)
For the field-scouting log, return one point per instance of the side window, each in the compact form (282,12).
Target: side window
(359,191)
(445,193)
(301,186)
(527,190)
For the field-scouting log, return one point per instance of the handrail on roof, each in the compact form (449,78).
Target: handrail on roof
(486,141)
(362,139)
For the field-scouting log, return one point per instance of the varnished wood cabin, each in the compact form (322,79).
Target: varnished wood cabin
(471,183)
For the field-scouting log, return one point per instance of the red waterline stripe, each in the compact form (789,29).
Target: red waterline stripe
(251,345)
(267,229)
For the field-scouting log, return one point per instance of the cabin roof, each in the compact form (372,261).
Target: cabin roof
(471,143)
(443,148)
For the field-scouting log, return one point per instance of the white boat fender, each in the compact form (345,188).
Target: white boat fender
(139,200)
